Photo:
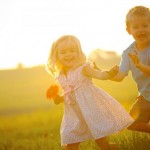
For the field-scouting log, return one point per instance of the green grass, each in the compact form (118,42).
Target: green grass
(35,131)
(40,131)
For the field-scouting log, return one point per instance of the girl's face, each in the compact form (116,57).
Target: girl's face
(67,53)
(139,28)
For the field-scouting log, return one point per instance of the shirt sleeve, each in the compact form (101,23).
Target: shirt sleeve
(124,64)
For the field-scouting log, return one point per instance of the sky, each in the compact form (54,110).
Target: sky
(29,27)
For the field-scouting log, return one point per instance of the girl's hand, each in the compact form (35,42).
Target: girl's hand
(134,59)
(52,94)
(59,99)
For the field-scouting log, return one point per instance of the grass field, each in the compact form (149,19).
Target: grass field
(28,121)
(40,131)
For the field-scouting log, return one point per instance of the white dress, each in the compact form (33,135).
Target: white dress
(89,112)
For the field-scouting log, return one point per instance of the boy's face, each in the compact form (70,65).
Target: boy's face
(139,28)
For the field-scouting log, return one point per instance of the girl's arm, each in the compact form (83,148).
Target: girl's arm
(99,74)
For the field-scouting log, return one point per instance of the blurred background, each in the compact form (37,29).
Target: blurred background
(29,27)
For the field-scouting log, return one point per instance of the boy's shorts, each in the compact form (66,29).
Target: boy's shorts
(140,110)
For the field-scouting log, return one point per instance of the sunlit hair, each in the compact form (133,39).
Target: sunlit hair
(53,64)
(139,11)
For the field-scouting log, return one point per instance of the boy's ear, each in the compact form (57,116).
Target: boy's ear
(128,30)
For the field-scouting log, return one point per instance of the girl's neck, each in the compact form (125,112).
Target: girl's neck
(66,70)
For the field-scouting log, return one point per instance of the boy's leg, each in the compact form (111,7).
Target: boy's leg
(105,145)
(140,111)
(140,126)
(74,146)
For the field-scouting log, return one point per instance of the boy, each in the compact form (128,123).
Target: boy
(137,59)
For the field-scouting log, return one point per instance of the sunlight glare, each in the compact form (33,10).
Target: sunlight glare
(28,28)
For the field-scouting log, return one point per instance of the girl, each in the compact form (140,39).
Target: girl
(89,112)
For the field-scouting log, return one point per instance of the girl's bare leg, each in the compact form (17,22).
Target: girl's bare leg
(73,146)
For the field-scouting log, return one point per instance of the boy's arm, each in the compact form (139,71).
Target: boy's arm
(144,68)
(114,73)
(119,77)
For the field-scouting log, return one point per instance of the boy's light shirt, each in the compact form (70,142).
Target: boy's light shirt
(142,80)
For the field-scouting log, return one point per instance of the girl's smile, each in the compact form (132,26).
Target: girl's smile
(67,54)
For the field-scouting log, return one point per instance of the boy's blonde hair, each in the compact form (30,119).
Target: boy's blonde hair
(137,11)
(53,64)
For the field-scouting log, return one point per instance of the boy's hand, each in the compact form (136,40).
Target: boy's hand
(134,59)
(113,71)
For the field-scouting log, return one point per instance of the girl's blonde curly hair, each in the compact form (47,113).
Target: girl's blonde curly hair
(53,65)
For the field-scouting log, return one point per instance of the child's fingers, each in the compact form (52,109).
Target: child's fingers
(134,58)
(113,71)
(131,56)
(56,100)
(115,68)
(95,66)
